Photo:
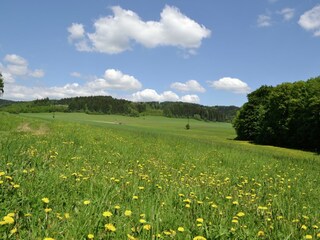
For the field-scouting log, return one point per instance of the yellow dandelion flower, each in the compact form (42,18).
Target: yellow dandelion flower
(228,197)
(135,197)
(86,202)
(147,227)
(14,230)
(28,215)
(235,203)
(66,215)
(128,213)
(318,235)
(8,220)
(199,238)
(304,227)
(315,227)
(117,207)
(140,188)
(47,210)
(180,229)
(234,221)
(241,214)
(187,206)
(90,236)
(200,220)
(48,238)
(107,214)
(45,200)
(110,227)
(260,234)
(142,221)
(11,214)
(308,237)
(130,237)
(214,205)
(16,186)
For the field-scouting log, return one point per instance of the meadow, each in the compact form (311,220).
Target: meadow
(78,176)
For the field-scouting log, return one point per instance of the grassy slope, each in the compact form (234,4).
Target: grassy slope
(107,163)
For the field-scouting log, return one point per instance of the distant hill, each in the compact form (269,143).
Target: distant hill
(4,102)
(110,105)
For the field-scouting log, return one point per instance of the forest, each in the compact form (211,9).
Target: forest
(110,105)
(287,115)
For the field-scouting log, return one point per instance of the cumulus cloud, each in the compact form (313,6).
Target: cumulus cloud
(287,13)
(19,92)
(189,86)
(150,95)
(310,20)
(264,20)
(230,84)
(115,79)
(190,98)
(116,33)
(16,66)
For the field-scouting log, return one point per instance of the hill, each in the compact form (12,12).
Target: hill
(110,105)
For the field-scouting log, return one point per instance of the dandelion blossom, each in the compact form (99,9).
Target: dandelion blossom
(86,202)
(45,200)
(107,214)
(128,213)
(199,238)
(110,227)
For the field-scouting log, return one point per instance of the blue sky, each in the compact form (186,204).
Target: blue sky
(207,52)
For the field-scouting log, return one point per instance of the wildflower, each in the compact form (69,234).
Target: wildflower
(180,229)
(228,197)
(142,221)
(48,238)
(240,214)
(86,202)
(8,220)
(14,230)
(187,206)
(128,213)
(130,237)
(260,234)
(235,203)
(304,227)
(110,227)
(67,215)
(45,200)
(117,207)
(135,197)
(147,227)
(16,186)
(90,236)
(47,210)
(308,237)
(200,220)
(214,206)
(107,214)
(199,238)
(234,221)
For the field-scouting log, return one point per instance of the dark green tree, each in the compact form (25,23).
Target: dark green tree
(1,84)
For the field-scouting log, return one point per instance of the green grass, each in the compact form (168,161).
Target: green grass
(180,177)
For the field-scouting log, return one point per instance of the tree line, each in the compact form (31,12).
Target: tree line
(110,105)
(286,115)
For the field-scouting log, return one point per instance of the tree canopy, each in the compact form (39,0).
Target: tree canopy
(286,115)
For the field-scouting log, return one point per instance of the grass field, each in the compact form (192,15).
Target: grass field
(79,176)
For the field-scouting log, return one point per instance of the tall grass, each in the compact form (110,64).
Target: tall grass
(76,181)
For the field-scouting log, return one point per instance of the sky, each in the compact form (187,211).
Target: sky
(211,52)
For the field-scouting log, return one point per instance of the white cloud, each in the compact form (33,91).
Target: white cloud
(264,21)
(76,31)
(189,86)
(19,92)
(17,66)
(115,34)
(115,79)
(150,95)
(76,74)
(287,13)
(310,20)
(15,59)
(230,84)
(190,98)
